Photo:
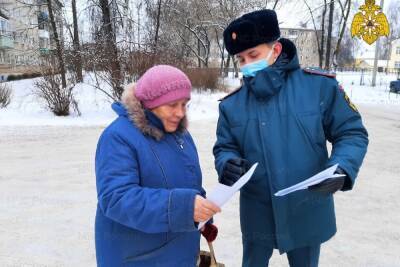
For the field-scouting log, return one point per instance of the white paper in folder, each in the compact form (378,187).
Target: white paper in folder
(222,193)
(319,177)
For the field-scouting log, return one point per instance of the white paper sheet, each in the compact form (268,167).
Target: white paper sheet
(222,193)
(316,179)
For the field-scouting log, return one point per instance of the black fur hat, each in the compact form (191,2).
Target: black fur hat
(250,30)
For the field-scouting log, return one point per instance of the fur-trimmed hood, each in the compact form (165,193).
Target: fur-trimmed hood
(137,114)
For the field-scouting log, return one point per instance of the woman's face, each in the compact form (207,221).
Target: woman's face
(171,114)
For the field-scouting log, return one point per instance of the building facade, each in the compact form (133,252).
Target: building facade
(25,34)
(306,44)
(394,58)
(304,39)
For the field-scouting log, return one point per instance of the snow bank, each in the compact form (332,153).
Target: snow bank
(366,94)
(27,109)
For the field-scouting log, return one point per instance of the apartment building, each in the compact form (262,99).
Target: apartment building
(394,57)
(25,34)
(306,44)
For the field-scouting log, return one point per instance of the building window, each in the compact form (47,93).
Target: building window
(398,50)
(4,27)
(43,43)
(43,19)
(397,64)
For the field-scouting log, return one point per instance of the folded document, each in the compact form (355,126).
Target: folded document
(316,179)
(222,193)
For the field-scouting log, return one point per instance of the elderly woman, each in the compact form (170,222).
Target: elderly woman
(148,177)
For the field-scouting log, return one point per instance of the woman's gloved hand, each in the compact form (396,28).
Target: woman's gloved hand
(233,170)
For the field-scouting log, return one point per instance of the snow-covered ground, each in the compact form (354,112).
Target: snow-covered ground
(366,94)
(48,198)
(27,109)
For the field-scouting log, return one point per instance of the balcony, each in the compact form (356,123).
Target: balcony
(44,51)
(43,20)
(43,17)
(44,34)
(6,42)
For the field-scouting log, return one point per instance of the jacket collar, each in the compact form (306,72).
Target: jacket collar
(270,81)
(145,120)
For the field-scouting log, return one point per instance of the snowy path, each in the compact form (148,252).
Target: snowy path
(48,199)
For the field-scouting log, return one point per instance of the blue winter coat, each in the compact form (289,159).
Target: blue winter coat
(282,119)
(147,181)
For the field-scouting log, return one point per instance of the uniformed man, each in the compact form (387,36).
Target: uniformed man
(282,117)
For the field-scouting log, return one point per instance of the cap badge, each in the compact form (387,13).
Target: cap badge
(234,35)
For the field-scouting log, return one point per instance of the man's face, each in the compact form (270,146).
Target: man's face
(258,52)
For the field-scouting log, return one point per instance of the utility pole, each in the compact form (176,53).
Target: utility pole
(376,57)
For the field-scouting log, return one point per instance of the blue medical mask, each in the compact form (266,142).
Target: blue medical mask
(251,69)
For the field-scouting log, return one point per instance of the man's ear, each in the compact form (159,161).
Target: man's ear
(277,49)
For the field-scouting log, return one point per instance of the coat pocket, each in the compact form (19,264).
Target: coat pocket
(154,246)
(311,126)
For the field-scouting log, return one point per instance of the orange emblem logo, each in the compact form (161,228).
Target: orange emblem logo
(234,35)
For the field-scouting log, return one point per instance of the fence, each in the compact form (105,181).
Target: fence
(368,70)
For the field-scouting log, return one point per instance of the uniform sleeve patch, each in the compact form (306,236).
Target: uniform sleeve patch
(351,105)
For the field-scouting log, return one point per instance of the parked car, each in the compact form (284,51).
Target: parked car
(395,86)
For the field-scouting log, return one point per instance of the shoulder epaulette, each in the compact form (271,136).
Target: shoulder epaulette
(318,71)
(231,93)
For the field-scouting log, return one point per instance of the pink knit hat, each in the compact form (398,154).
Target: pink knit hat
(162,84)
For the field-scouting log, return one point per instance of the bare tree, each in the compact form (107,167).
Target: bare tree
(345,56)
(76,44)
(159,3)
(193,29)
(5,95)
(57,96)
(345,11)
(57,41)
(329,35)
(329,38)
(110,50)
(116,41)
(393,15)
(319,38)
(322,45)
